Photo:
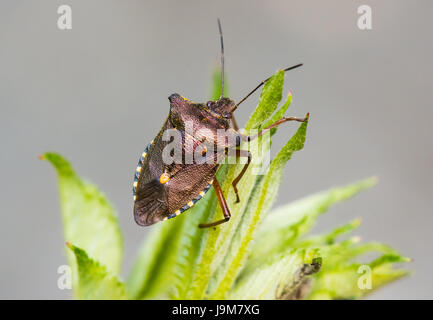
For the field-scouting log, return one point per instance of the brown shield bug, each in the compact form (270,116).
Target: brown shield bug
(164,189)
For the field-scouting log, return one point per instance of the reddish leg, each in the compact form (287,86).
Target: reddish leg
(246,154)
(223,204)
(274,125)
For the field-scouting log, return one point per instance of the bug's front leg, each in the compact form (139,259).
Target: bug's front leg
(239,154)
(223,204)
(274,125)
(247,154)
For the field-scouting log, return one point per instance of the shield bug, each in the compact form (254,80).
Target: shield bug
(164,189)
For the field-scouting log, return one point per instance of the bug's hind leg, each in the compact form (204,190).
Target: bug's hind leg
(246,154)
(223,204)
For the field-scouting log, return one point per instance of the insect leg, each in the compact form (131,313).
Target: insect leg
(246,154)
(274,125)
(234,123)
(223,204)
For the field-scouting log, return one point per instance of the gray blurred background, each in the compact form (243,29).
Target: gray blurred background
(98,94)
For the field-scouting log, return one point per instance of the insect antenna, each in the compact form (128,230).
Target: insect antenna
(260,84)
(222,58)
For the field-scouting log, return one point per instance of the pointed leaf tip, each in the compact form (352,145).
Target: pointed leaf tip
(58,162)
(89,220)
(357,222)
(95,281)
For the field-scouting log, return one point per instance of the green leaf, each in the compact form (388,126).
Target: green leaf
(261,200)
(279,113)
(217,264)
(344,252)
(327,239)
(279,278)
(270,96)
(89,220)
(148,276)
(95,282)
(284,225)
(340,278)
(216,85)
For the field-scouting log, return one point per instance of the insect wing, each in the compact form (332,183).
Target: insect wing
(150,205)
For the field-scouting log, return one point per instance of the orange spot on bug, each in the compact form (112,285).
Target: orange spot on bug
(164,178)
